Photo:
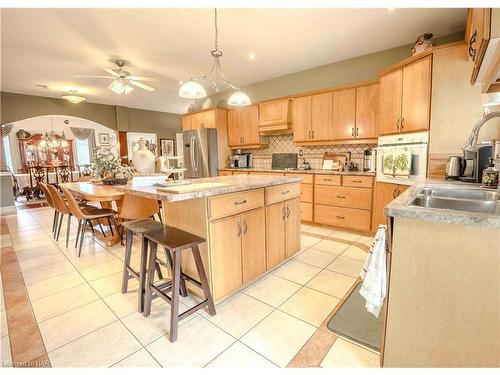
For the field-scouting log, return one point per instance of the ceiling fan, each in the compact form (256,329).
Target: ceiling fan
(122,80)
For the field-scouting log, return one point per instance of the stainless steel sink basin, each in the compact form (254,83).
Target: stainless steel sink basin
(486,206)
(459,199)
(466,193)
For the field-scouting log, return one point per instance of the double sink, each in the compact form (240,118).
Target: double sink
(459,199)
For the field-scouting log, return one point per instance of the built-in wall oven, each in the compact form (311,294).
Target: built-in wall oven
(402,158)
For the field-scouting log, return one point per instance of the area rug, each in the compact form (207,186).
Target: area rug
(354,323)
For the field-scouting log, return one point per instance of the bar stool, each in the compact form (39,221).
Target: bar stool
(138,227)
(174,241)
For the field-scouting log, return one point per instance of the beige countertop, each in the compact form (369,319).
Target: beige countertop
(311,171)
(232,184)
(401,207)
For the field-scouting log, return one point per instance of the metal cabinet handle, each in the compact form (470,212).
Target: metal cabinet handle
(352,132)
(357,181)
(340,196)
(287,212)
(313,134)
(238,224)
(285,191)
(394,193)
(240,202)
(402,123)
(357,131)
(245,227)
(472,50)
(327,179)
(284,212)
(397,124)
(310,134)
(340,217)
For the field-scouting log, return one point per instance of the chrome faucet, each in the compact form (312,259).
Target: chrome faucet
(470,147)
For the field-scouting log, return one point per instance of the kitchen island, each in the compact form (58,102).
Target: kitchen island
(443,301)
(251,224)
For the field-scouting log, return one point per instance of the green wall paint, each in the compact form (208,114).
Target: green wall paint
(15,107)
(357,69)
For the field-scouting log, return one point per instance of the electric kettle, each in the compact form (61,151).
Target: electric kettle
(455,167)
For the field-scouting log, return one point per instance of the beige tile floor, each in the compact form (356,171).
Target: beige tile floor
(86,321)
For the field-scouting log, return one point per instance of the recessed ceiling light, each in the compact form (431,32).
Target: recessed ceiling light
(391,9)
(251,56)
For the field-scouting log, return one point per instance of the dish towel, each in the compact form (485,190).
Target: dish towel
(374,273)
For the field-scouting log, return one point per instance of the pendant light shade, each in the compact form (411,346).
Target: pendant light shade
(73,97)
(192,90)
(239,99)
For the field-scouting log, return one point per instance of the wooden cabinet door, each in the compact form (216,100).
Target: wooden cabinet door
(275,234)
(416,104)
(234,137)
(344,114)
(390,91)
(383,195)
(321,117)
(208,119)
(186,123)
(253,244)
(302,118)
(249,125)
(274,113)
(366,111)
(292,227)
(197,120)
(225,236)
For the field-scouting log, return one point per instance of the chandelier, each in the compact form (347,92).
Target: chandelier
(193,89)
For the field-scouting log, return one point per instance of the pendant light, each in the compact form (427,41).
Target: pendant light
(73,97)
(193,89)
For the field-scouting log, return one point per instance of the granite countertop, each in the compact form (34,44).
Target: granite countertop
(311,171)
(400,207)
(235,184)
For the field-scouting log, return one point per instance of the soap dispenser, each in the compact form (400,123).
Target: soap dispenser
(490,176)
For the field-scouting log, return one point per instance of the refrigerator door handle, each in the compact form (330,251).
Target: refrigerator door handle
(195,155)
(191,151)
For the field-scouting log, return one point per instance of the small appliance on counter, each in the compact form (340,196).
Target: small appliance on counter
(284,161)
(455,167)
(368,161)
(240,160)
(474,167)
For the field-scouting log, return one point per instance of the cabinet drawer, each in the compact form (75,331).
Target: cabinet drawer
(343,196)
(240,172)
(327,179)
(349,218)
(306,193)
(230,204)
(283,192)
(266,173)
(357,181)
(225,173)
(306,211)
(307,178)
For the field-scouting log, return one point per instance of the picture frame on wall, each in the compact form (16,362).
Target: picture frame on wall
(104,138)
(167,147)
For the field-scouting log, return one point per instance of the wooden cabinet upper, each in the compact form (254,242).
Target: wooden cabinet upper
(405,98)
(275,115)
(243,126)
(367,111)
(312,118)
(302,118)
(205,119)
(344,114)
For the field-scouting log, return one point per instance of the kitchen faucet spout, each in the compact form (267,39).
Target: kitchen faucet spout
(470,147)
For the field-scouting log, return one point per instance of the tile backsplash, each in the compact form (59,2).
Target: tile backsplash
(312,154)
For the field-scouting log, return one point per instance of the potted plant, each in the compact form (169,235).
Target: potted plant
(108,168)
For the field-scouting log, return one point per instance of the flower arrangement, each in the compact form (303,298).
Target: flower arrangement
(108,168)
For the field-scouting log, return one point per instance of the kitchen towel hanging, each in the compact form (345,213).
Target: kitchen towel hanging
(374,273)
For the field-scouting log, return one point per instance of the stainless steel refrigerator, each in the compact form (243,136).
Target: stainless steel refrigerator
(200,153)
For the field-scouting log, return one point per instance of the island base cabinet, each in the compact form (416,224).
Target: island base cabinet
(225,256)
(282,231)
(253,244)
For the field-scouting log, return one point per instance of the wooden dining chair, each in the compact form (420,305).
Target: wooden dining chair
(86,215)
(38,174)
(48,198)
(62,209)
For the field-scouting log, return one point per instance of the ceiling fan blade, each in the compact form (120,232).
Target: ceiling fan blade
(143,78)
(112,72)
(141,85)
(107,77)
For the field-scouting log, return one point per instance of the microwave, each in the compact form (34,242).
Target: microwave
(241,160)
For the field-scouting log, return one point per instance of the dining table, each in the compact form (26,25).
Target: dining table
(105,195)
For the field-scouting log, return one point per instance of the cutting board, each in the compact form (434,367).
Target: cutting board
(192,187)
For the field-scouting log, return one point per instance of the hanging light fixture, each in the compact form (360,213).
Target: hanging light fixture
(73,97)
(193,89)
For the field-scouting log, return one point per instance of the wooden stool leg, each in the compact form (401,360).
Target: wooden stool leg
(203,279)
(150,278)
(174,303)
(126,263)
(168,255)
(142,274)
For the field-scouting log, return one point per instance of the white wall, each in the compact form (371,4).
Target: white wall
(44,124)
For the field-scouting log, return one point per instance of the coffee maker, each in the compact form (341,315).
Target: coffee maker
(242,160)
